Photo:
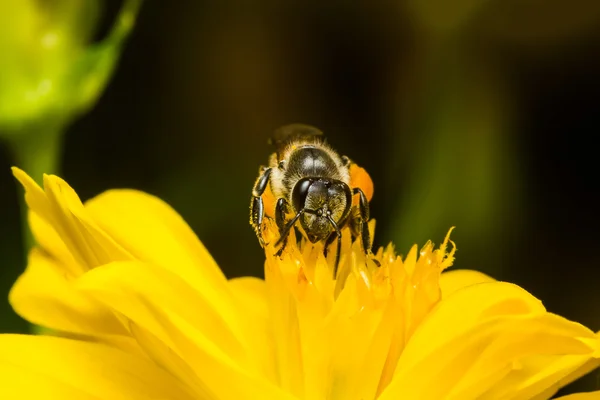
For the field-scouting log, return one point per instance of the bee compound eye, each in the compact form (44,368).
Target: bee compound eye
(300,192)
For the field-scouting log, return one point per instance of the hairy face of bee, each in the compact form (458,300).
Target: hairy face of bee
(325,202)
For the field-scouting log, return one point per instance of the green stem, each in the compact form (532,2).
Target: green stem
(36,151)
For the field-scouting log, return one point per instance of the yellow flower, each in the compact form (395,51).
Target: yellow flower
(146,313)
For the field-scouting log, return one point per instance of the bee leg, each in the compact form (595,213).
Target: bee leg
(362,220)
(328,243)
(338,254)
(280,213)
(257,208)
(284,228)
(298,235)
(359,228)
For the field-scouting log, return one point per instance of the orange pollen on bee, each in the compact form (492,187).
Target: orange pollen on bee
(359,178)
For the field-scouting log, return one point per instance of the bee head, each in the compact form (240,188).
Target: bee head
(326,203)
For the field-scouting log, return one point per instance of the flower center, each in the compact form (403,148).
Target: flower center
(327,330)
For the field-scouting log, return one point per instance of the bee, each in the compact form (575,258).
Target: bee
(309,184)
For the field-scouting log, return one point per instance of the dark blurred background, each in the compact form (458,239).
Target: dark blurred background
(479,115)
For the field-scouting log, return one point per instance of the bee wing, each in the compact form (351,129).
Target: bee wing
(294,132)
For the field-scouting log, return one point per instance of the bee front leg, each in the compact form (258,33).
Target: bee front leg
(284,226)
(336,234)
(328,242)
(360,223)
(281,210)
(257,208)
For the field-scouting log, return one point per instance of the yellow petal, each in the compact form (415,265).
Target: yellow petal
(469,341)
(462,310)
(70,220)
(541,377)
(134,282)
(44,367)
(252,294)
(451,281)
(167,307)
(43,296)
(151,231)
(546,337)
(167,359)
(121,225)
(52,245)
(581,396)
(60,207)
(468,365)
(284,321)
